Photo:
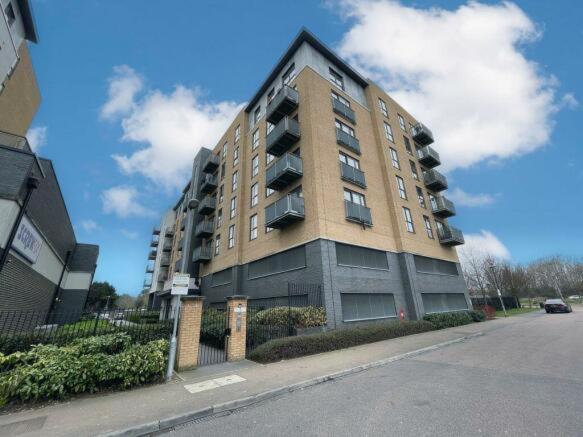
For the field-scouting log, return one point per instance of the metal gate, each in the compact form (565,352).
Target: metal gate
(214,333)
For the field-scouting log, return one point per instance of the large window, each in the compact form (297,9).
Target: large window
(254,194)
(356,256)
(424,264)
(231,241)
(233,207)
(420,197)
(340,99)
(401,187)
(367,306)
(222,277)
(235,181)
(253,227)
(354,197)
(255,166)
(389,132)
(280,262)
(414,170)
(402,122)
(289,75)
(442,302)
(408,145)
(428,227)
(336,78)
(395,158)
(344,127)
(408,220)
(383,107)
(348,160)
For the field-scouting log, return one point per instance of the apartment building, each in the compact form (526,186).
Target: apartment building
(322,179)
(19,93)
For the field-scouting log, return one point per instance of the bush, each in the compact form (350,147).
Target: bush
(293,347)
(448,320)
(477,315)
(145,317)
(301,317)
(89,365)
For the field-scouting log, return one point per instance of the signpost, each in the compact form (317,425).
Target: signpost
(179,288)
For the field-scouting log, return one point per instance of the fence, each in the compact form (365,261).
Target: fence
(21,329)
(284,316)
(509,302)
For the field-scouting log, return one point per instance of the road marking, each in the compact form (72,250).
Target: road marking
(213,383)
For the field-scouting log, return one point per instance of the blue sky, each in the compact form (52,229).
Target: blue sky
(518,184)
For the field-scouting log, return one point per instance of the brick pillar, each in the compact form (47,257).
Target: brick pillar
(189,332)
(237,306)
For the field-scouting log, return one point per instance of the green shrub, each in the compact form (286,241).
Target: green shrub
(448,320)
(301,317)
(477,315)
(92,364)
(292,347)
(144,317)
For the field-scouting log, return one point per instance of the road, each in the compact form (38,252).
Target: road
(520,379)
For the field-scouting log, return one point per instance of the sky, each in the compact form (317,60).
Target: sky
(131,90)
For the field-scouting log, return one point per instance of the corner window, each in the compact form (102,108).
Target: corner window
(231,241)
(233,207)
(255,166)
(408,220)
(255,140)
(336,78)
(383,107)
(428,227)
(237,133)
(389,132)
(254,194)
(289,75)
(401,187)
(395,159)
(253,227)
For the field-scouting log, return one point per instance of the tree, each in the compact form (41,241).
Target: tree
(125,301)
(101,294)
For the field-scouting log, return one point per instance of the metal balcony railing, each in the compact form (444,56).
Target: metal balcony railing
(451,236)
(428,157)
(442,207)
(358,213)
(343,110)
(211,164)
(208,183)
(351,174)
(282,104)
(434,180)
(348,141)
(284,171)
(421,134)
(207,205)
(285,211)
(284,135)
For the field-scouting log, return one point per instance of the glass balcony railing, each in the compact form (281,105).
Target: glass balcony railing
(443,207)
(209,183)
(207,205)
(421,134)
(358,213)
(434,180)
(352,174)
(211,164)
(284,135)
(428,157)
(451,236)
(348,141)
(283,103)
(343,110)
(284,212)
(284,171)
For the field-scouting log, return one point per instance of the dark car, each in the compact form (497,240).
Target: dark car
(557,306)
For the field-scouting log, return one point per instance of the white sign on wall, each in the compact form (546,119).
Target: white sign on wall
(180,284)
(27,241)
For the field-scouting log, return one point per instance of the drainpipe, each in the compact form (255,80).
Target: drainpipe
(31,185)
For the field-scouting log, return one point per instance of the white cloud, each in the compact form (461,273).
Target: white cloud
(569,101)
(132,235)
(172,127)
(462,72)
(123,87)
(481,245)
(123,202)
(460,197)
(37,137)
(89,225)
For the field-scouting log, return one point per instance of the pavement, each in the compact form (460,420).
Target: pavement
(224,387)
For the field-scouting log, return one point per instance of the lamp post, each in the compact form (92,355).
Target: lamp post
(492,268)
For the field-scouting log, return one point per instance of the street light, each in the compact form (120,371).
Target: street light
(492,268)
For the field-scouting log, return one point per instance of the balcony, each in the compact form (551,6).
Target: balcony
(344,110)
(201,254)
(169,232)
(208,184)
(152,254)
(450,236)
(211,164)
(156,231)
(282,104)
(428,157)
(357,213)
(421,134)
(434,180)
(284,135)
(352,175)
(284,212)
(150,269)
(443,207)
(167,247)
(165,261)
(204,229)
(283,172)
(207,205)
(154,242)
(147,283)
(348,141)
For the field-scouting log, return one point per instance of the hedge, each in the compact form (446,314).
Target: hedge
(301,317)
(87,365)
(448,320)
(293,347)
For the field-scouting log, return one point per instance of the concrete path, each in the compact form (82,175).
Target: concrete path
(524,378)
(97,414)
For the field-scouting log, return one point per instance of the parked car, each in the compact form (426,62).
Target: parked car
(557,306)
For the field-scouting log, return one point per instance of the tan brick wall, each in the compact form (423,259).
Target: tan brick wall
(20,98)
(237,340)
(189,332)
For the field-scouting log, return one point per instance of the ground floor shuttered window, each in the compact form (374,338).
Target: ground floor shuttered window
(367,306)
(442,302)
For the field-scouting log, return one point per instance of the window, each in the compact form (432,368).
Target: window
(270,95)
(414,170)
(443,302)
(255,166)
(408,145)
(222,277)
(218,245)
(336,78)
(231,241)
(428,227)
(344,127)
(289,75)
(395,159)
(269,192)
(401,186)
(402,122)
(424,264)
(348,160)
(220,218)
(234,182)
(292,259)
(367,306)
(255,140)
(10,15)
(383,107)
(440,228)
(257,115)
(356,256)
(354,197)
(225,147)
(408,219)
(340,99)
(221,193)
(269,158)
(420,197)
(254,194)
(253,227)
(233,207)
(411,127)
(237,133)
(269,127)
(432,201)
(223,170)
(389,132)
(235,156)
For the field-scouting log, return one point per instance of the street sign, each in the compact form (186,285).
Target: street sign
(180,284)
